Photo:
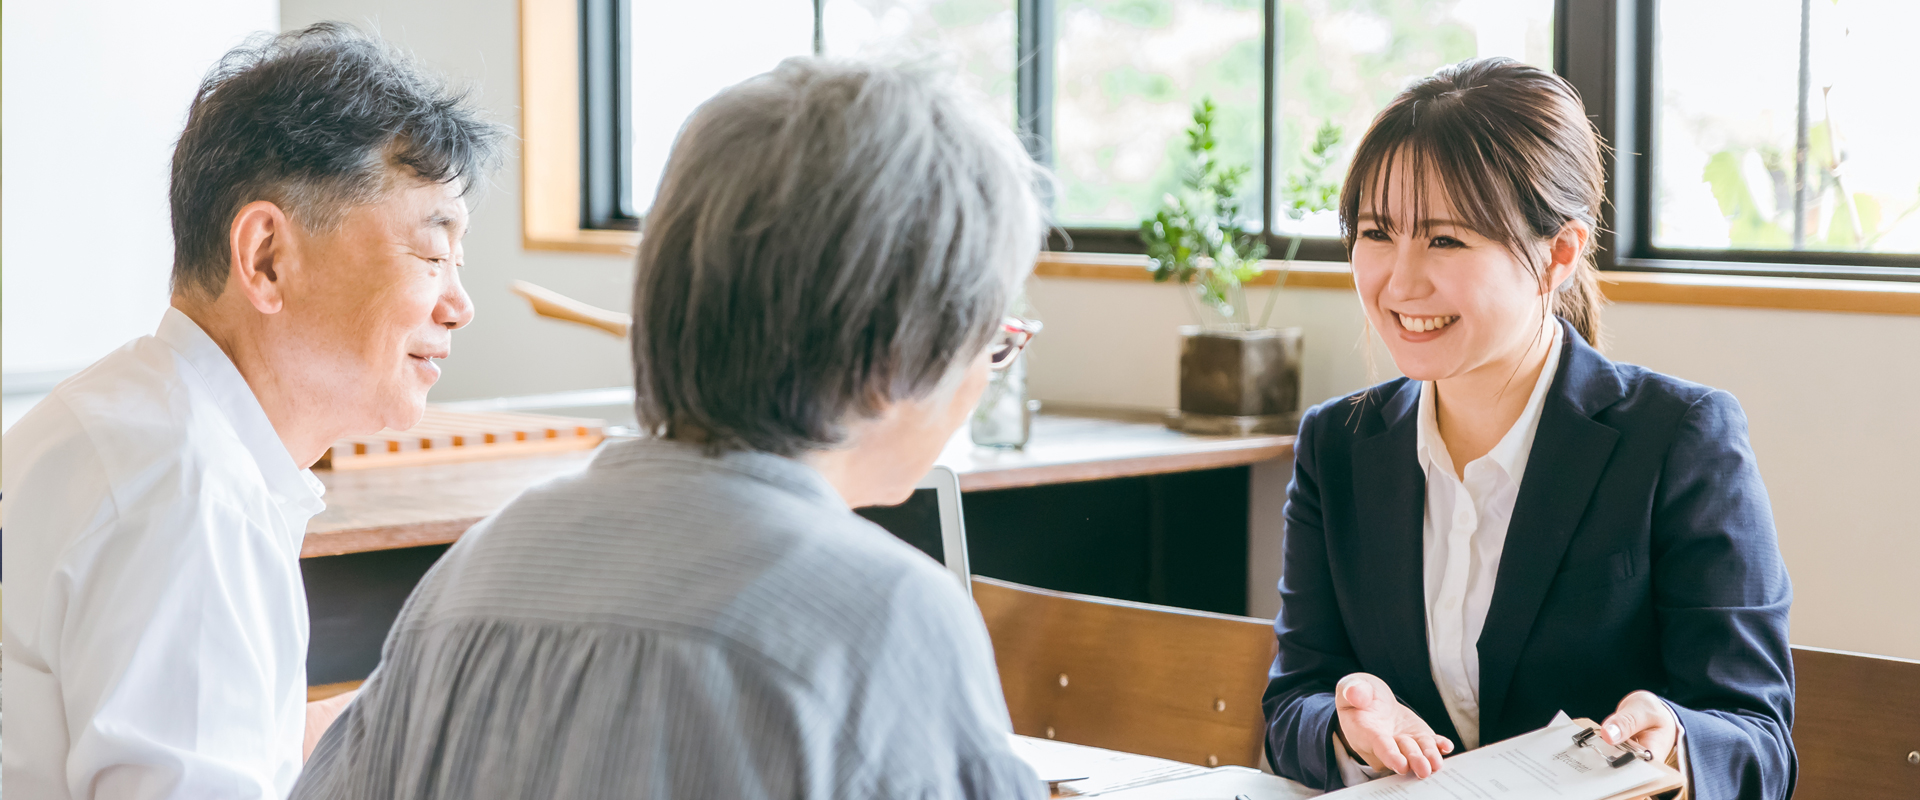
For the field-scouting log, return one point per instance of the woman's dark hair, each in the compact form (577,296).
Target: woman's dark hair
(315,121)
(1516,155)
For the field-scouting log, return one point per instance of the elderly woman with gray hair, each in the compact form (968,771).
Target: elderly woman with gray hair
(699,613)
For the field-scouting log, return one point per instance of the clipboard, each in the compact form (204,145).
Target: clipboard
(1671,778)
(1565,759)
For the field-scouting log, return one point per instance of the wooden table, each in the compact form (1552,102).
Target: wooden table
(380,509)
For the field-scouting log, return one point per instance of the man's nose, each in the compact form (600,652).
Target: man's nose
(455,308)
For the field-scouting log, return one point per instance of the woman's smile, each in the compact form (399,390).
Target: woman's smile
(1423,328)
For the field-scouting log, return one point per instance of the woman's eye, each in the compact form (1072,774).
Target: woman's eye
(1374,235)
(1447,242)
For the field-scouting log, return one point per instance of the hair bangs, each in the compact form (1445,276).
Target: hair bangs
(1406,161)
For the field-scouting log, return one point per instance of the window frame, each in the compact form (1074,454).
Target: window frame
(1605,48)
(1624,67)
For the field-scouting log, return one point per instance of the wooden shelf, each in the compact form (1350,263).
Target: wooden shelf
(382,509)
(1737,291)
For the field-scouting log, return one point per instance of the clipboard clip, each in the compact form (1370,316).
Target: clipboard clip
(1623,753)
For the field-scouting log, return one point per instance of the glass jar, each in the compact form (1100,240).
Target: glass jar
(1004,417)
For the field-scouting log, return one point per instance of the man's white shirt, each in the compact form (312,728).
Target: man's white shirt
(156,622)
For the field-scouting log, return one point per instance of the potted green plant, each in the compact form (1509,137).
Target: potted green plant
(1237,376)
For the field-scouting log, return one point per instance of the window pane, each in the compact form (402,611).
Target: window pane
(1344,60)
(673,71)
(972,37)
(1129,72)
(1727,122)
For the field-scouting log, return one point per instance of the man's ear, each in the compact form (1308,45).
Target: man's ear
(264,247)
(1563,254)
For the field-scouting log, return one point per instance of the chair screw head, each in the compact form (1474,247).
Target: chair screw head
(1213,761)
(1914,758)
(1219,705)
(1049,731)
(1063,679)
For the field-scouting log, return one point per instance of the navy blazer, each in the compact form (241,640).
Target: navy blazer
(1641,555)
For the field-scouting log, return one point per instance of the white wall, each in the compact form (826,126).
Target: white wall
(1832,400)
(95,92)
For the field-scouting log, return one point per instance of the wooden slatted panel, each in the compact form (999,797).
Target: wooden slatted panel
(444,436)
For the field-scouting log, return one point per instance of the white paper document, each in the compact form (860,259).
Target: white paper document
(1082,771)
(1541,764)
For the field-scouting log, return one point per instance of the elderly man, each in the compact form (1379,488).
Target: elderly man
(699,613)
(156,627)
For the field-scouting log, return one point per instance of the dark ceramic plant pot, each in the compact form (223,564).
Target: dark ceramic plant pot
(1239,382)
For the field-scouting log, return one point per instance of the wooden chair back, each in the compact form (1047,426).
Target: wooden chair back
(1167,682)
(1856,725)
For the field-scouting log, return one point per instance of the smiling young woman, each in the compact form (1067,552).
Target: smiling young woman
(1519,526)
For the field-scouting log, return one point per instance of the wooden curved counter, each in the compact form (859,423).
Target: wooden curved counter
(381,509)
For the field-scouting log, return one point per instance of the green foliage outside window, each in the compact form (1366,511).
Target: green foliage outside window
(1754,188)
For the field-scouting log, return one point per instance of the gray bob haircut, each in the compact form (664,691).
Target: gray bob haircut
(828,238)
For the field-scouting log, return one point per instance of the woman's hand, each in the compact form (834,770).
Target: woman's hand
(1647,720)
(1384,733)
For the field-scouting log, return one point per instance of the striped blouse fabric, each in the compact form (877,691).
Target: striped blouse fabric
(672,624)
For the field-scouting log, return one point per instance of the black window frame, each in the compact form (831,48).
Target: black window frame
(1605,48)
(606,105)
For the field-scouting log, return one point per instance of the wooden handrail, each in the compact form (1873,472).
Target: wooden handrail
(554,305)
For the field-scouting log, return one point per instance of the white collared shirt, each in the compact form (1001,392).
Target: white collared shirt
(1463,534)
(156,622)
(1462,537)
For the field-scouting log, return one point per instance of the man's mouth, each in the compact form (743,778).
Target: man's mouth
(1424,324)
(426,360)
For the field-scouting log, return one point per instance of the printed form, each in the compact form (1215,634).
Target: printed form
(1542,764)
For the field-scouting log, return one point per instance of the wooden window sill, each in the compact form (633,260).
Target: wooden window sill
(1739,291)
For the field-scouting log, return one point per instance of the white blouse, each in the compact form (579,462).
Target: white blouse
(156,624)
(1463,534)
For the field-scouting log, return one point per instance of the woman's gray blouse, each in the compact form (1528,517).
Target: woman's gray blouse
(669,624)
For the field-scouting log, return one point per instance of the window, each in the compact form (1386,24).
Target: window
(974,38)
(1701,107)
(672,73)
(1805,155)
(1127,76)
(1341,61)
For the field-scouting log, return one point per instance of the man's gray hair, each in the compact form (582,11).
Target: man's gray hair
(316,121)
(828,238)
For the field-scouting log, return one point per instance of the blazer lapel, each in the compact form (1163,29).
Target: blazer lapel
(1570,452)
(1389,493)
